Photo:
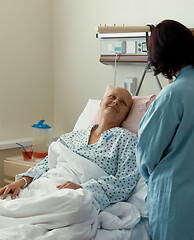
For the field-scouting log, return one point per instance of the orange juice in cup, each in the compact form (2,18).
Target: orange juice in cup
(27,155)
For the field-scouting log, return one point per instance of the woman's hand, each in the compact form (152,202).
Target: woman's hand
(70,185)
(14,187)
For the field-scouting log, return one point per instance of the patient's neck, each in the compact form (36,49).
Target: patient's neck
(103,126)
(93,137)
(96,133)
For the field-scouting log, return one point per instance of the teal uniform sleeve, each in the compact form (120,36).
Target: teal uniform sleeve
(156,130)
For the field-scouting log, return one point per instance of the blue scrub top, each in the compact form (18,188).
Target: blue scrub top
(165,157)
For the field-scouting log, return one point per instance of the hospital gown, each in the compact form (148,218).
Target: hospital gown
(165,157)
(114,153)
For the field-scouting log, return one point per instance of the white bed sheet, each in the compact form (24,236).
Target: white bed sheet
(43,212)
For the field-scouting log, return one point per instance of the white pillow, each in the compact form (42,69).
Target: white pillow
(86,116)
(90,112)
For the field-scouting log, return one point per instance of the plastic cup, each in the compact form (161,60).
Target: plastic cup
(27,155)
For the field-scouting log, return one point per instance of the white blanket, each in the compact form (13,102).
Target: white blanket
(41,211)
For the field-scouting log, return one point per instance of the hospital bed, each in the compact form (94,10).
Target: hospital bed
(122,221)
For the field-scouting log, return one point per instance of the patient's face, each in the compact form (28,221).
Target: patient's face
(116,105)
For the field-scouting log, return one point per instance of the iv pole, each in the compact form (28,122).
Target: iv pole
(148,66)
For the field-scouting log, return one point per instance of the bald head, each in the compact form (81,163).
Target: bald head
(115,105)
(124,93)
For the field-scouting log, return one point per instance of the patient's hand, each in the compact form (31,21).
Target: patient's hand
(70,185)
(12,187)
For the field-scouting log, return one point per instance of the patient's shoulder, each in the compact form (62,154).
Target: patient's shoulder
(125,132)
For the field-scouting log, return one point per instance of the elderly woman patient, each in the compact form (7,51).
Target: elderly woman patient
(112,148)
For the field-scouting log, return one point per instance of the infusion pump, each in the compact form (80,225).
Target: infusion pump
(123,43)
(124,46)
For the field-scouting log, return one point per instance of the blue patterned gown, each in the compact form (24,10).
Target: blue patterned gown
(114,153)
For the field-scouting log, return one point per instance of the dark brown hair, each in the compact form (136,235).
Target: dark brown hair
(171,46)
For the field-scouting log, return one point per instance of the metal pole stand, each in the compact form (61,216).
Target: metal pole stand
(147,67)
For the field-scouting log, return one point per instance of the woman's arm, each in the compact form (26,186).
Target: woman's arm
(23,178)
(37,171)
(15,187)
(156,131)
